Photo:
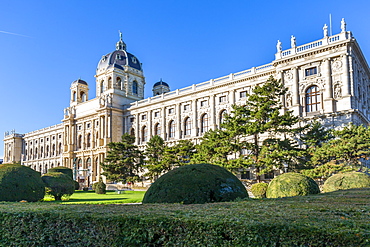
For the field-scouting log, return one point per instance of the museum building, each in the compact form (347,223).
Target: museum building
(327,80)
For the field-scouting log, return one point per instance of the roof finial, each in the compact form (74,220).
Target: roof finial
(343,25)
(120,45)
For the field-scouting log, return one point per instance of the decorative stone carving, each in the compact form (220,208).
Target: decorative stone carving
(337,91)
(289,100)
(288,76)
(278,46)
(292,42)
(337,65)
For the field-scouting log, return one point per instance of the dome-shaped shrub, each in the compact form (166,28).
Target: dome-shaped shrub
(347,180)
(291,184)
(58,184)
(100,187)
(19,183)
(259,190)
(199,183)
(62,169)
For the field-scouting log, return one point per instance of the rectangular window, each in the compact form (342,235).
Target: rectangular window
(88,125)
(143,117)
(132,120)
(222,99)
(186,107)
(171,111)
(245,175)
(156,114)
(203,103)
(243,94)
(311,71)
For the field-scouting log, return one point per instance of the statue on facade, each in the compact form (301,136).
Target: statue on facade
(278,46)
(292,42)
(343,25)
(325,28)
(337,91)
(289,100)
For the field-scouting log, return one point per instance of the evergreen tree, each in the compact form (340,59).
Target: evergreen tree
(258,134)
(124,160)
(183,152)
(154,153)
(350,145)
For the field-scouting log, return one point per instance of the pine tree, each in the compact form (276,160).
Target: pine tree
(154,153)
(258,134)
(183,152)
(124,160)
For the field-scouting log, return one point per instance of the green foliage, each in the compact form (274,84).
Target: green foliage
(350,145)
(247,127)
(62,169)
(19,183)
(100,187)
(124,160)
(58,184)
(327,170)
(291,184)
(295,221)
(259,190)
(196,183)
(76,184)
(348,180)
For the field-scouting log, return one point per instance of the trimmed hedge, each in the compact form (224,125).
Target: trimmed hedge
(19,183)
(58,184)
(100,187)
(348,180)
(291,184)
(296,221)
(62,169)
(259,190)
(197,183)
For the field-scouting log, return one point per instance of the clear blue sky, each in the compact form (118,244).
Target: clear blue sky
(184,42)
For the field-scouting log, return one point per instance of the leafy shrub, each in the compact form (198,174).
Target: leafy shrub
(19,183)
(100,187)
(62,169)
(291,184)
(259,190)
(199,183)
(77,185)
(58,184)
(348,180)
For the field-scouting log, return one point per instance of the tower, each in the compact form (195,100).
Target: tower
(79,92)
(160,88)
(119,74)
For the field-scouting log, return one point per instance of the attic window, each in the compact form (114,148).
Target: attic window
(311,71)
(118,56)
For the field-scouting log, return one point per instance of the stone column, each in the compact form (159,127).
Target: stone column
(178,118)
(163,124)
(295,87)
(328,87)
(212,119)
(150,125)
(194,128)
(346,82)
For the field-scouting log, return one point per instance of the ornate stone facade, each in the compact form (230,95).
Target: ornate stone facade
(327,80)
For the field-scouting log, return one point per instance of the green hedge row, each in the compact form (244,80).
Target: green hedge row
(298,221)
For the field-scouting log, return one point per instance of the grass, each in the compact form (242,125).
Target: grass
(90,197)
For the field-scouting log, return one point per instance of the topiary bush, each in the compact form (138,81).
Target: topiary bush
(291,184)
(347,180)
(259,190)
(198,183)
(19,183)
(100,187)
(58,184)
(62,169)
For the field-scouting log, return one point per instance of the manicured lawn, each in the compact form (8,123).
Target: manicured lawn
(112,197)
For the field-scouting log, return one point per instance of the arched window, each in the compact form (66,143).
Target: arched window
(88,163)
(36,153)
(171,129)
(109,82)
(88,140)
(187,126)
(60,148)
(31,154)
(79,164)
(144,134)
(79,142)
(222,116)
(41,152)
(96,138)
(102,89)
(157,129)
(204,123)
(53,150)
(119,83)
(132,132)
(47,151)
(74,96)
(83,96)
(134,87)
(52,165)
(313,99)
